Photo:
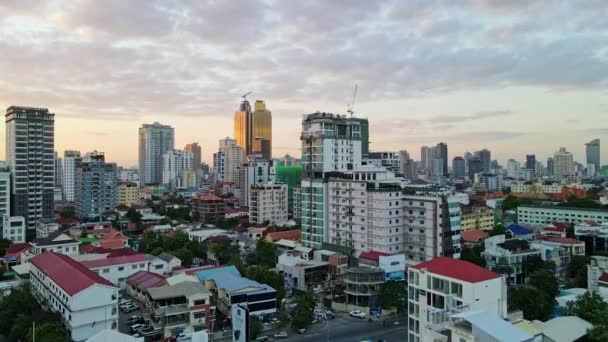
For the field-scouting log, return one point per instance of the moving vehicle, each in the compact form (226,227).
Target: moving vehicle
(281,334)
(358,314)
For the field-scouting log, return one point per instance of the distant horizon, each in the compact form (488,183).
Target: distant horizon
(474,74)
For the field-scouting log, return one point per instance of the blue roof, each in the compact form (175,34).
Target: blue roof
(495,326)
(516,229)
(210,273)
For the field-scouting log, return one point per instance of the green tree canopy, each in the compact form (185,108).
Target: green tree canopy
(392,294)
(534,303)
(302,314)
(265,254)
(545,279)
(268,277)
(473,255)
(185,255)
(576,271)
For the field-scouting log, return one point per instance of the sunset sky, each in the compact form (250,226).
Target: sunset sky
(514,76)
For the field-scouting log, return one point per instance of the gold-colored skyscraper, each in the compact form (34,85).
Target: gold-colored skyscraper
(243,124)
(262,130)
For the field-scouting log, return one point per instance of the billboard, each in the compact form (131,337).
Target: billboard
(240,324)
(392,263)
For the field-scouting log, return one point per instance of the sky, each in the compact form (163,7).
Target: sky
(515,76)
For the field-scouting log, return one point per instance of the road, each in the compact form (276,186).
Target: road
(343,329)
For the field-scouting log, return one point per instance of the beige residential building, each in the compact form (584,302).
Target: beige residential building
(128,193)
(478,218)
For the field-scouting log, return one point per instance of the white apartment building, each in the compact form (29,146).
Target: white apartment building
(129,175)
(444,286)
(492,182)
(540,215)
(268,202)
(45,227)
(85,302)
(154,141)
(563,163)
(57,242)
(253,173)
(513,168)
(368,211)
(329,143)
(174,163)
(549,188)
(227,160)
(13,228)
(115,269)
(5,190)
(508,256)
(71,160)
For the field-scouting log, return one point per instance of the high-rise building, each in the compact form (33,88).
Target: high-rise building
(474,167)
(30,145)
(255,172)
(531,162)
(550,167)
(58,170)
(592,151)
(268,203)
(486,157)
(513,168)
(427,154)
(243,127)
(387,159)
(441,151)
(290,175)
(563,163)
(5,190)
(329,143)
(227,160)
(174,163)
(458,167)
(262,130)
(407,166)
(154,141)
(71,160)
(196,151)
(364,126)
(96,186)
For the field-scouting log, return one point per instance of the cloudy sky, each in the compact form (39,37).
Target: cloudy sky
(513,76)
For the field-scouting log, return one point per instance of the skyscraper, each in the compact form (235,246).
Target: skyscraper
(154,141)
(30,145)
(5,191)
(441,151)
(531,162)
(174,163)
(96,185)
(329,143)
(262,130)
(550,166)
(427,154)
(513,168)
(563,163)
(227,160)
(364,127)
(458,167)
(486,157)
(196,151)
(71,160)
(58,170)
(243,127)
(474,167)
(592,150)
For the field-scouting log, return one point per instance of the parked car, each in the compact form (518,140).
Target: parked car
(136,327)
(281,334)
(329,315)
(302,331)
(135,319)
(184,337)
(130,308)
(358,314)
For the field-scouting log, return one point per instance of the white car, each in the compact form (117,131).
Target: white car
(358,314)
(281,334)
(184,337)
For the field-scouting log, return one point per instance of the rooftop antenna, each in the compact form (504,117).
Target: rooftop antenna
(245,96)
(351,107)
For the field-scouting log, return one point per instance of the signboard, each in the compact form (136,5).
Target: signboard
(240,324)
(392,263)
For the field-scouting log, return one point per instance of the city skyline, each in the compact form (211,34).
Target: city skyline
(513,84)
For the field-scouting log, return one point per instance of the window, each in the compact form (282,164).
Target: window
(121,268)
(199,315)
(158,267)
(200,302)
(106,270)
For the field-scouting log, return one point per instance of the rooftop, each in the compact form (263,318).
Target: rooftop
(555,207)
(145,279)
(457,269)
(372,255)
(54,238)
(72,276)
(516,229)
(295,234)
(565,328)
(474,235)
(494,326)
(185,289)
(113,261)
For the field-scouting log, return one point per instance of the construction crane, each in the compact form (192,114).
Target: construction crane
(245,96)
(351,107)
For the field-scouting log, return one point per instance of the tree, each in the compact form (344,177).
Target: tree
(48,332)
(303,312)
(589,306)
(68,212)
(473,255)
(499,229)
(545,279)
(185,255)
(392,294)
(157,251)
(268,277)
(4,243)
(534,263)
(576,271)
(255,327)
(222,251)
(265,254)
(133,215)
(534,303)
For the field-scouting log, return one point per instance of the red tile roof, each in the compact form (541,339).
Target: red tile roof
(122,252)
(457,269)
(18,247)
(294,235)
(560,225)
(554,229)
(563,240)
(372,255)
(90,249)
(112,261)
(475,235)
(65,221)
(72,276)
(210,197)
(112,244)
(591,222)
(146,280)
(604,278)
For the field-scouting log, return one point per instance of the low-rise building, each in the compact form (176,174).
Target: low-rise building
(293,235)
(476,218)
(508,257)
(13,228)
(211,208)
(171,262)
(115,269)
(443,287)
(181,308)
(594,234)
(555,229)
(540,215)
(139,282)
(44,227)
(85,302)
(268,203)
(58,242)
(473,326)
(301,273)
(597,274)
(473,237)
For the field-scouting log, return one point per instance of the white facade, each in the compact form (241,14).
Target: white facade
(551,188)
(5,190)
(513,168)
(154,141)
(268,202)
(563,163)
(84,313)
(538,215)
(46,227)
(254,173)
(117,269)
(491,182)
(71,159)
(13,228)
(227,160)
(129,175)
(56,242)
(174,163)
(434,295)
